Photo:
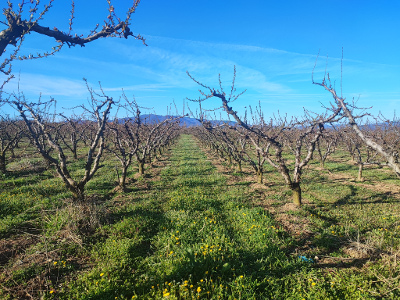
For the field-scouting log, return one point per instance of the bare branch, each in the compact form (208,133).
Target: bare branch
(18,27)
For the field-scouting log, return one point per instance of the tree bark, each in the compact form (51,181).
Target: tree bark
(141,167)
(295,187)
(75,150)
(360,170)
(259,176)
(3,164)
(78,192)
(239,166)
(122,179)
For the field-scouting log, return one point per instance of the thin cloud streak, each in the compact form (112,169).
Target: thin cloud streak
(35,84)
(140,87)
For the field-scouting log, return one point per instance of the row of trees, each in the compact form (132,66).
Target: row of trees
(54,134)
(57,137)
(257,141)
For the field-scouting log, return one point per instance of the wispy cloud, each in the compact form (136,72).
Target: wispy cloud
(36,84)
(140,87)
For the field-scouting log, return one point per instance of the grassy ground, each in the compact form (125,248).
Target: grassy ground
(193,229)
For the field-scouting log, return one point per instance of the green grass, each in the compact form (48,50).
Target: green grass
(191,238)
(188,233)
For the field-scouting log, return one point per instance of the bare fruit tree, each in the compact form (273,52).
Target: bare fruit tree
(135,137)
(73,132)
(232,143)
(349,111)
(44,130)
(10,134)
(299,136)
(123,139)
(151,136)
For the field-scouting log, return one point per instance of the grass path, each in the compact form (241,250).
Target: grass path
(193,238)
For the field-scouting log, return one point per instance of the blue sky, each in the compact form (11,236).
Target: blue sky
(273,45)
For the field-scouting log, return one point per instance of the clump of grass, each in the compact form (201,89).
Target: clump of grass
(75,221)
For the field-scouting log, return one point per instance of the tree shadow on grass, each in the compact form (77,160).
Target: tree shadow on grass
(18,179)
(241,183)
(341,168)
(355,197)
(349,198)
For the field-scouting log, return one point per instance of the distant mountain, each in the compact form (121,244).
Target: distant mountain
(184,122)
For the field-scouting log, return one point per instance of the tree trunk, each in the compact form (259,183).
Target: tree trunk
(239,166)
(259,176)
(360,170)
(141,167)
(78,193)
(122,179)
(75,150)
(295,187)
(3,164)
(321,157)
